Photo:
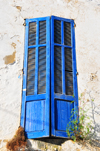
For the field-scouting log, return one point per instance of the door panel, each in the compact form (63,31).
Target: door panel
(35,117)
(64,95)
(62,113)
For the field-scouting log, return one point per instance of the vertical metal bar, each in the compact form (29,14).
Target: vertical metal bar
(36,58)
(63,57)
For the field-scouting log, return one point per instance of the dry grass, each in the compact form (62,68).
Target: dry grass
(18,141)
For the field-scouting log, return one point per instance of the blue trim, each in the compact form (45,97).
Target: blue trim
(24,77)
(36,134)
(37,19)
(75,69)
(36,97)
(47,109)
(61,19)
(36,58)
(52,79)
(62,45)
(63,57)
(42,45)
(63,97)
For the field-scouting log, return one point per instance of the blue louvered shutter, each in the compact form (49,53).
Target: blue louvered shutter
(36,79)
(64,96)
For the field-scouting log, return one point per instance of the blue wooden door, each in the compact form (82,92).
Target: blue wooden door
(36,79)
(64,96)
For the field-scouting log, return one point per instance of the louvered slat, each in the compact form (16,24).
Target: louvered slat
(68,59)
(68,71)
(57,70)
(69,82)
(42,32)
(57,31)
(32,34)
(67,33)
(31,72)
(42,70)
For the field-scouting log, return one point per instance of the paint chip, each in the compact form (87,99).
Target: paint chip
(14,45)
(19,7)
(10,59)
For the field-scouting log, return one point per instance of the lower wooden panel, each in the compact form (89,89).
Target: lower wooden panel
(62,114)
(35,114)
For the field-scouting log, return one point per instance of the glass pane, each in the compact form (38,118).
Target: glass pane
(42,32)
(57,31)
(67,34)
(32,34)
(31,72)
(42,70)
(57,70)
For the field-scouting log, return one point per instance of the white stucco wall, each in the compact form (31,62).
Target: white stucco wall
(86,14)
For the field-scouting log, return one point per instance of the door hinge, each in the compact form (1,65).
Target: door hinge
(77,73)
(74,25)
(22,71)
(24,24)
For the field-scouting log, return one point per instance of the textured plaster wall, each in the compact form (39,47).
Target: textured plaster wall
(86,14)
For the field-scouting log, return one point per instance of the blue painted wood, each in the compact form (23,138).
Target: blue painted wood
(31,135)
(61,104)
(39,104)
(63,57)
(24,76)
(61,19)
(36,56)
(37,45)
(35,115)
(63,113)
(63,97)
(74,69)
(36,97)
(52,79)
(62,45)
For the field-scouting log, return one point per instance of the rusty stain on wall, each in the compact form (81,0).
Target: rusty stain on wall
(14,45)
(93,76)
(10,58)
(19,7)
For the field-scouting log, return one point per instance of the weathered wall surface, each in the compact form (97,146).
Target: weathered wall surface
(86,14)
